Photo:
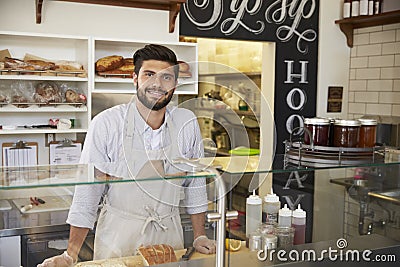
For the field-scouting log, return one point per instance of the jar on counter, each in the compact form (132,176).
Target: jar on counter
(346,133)
(367,133)
(319,131)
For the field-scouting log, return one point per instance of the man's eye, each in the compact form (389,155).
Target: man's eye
(149,74)
(167,77)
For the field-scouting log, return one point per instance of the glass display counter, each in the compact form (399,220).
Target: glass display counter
(357,204)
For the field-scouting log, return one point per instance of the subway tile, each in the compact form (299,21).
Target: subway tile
(391,48)
(379,109)
(395,110)
(370,29)
(366,97)
(382,37)
(369,50)
(369,74)
(396,85)
(390,73)
(381,61)
(359,62)
(361,39)
(398,35)
(380,85)
(351,96)
(355,31)
(352,74)
(353,51)
(357,108)
(389,97)
(393,26)
(358,85)
(397,60)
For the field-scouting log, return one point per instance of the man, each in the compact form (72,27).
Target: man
(127,137)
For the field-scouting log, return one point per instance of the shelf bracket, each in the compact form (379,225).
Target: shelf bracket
(347,29)
(173,13)
(38,5)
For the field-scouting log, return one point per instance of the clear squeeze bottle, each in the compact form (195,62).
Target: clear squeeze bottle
(299,224)
(285,217)
(253,213)
(271,208)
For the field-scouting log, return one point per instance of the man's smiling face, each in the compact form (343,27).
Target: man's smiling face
(155,84)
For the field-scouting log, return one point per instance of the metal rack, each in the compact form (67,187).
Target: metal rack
(299,154)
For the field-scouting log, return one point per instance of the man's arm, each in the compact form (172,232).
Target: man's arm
(76,237)
(201,242)
(198,221)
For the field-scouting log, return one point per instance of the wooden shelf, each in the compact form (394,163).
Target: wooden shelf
(347,25)
(173,6)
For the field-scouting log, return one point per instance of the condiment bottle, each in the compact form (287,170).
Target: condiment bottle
(355,8)
(285,217)
(253,213)
(347,9)
(271,207)
(299,224)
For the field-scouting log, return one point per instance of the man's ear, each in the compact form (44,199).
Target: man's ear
(135,79)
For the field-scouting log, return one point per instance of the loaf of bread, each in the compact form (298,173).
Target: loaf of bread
(184,69)
(71,96)
(33,64)
(65,65)
(109,63)
(157,254)
(41,65)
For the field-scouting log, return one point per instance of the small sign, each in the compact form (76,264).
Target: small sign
(335,97)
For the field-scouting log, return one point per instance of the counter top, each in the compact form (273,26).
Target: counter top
(13,222)
(376,243)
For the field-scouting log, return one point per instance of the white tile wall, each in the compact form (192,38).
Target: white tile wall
(396,85)
(369,73)
(380,61)
(389,97)
(374,79)
(359,62)
(382,37)
(358,85)
(379,109)
(369,50)
(379,85)
(366,97)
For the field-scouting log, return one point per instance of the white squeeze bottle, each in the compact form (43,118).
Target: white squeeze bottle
(253,213)
(299,224)
(285,217)
(271,207)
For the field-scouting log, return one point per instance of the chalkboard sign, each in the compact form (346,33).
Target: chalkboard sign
(292,25)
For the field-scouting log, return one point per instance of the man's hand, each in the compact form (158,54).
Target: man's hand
(63,260)
(204,245)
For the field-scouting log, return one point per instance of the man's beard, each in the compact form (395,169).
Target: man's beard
(157,105)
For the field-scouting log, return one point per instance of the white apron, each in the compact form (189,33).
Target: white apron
(144,212)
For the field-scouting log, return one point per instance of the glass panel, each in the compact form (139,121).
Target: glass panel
(346,207)
(99,173)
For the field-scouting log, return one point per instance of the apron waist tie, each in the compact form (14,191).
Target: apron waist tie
(153,217)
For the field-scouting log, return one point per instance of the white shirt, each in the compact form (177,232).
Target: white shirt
(103,143)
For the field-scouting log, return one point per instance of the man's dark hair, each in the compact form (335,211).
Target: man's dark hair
(155,52)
